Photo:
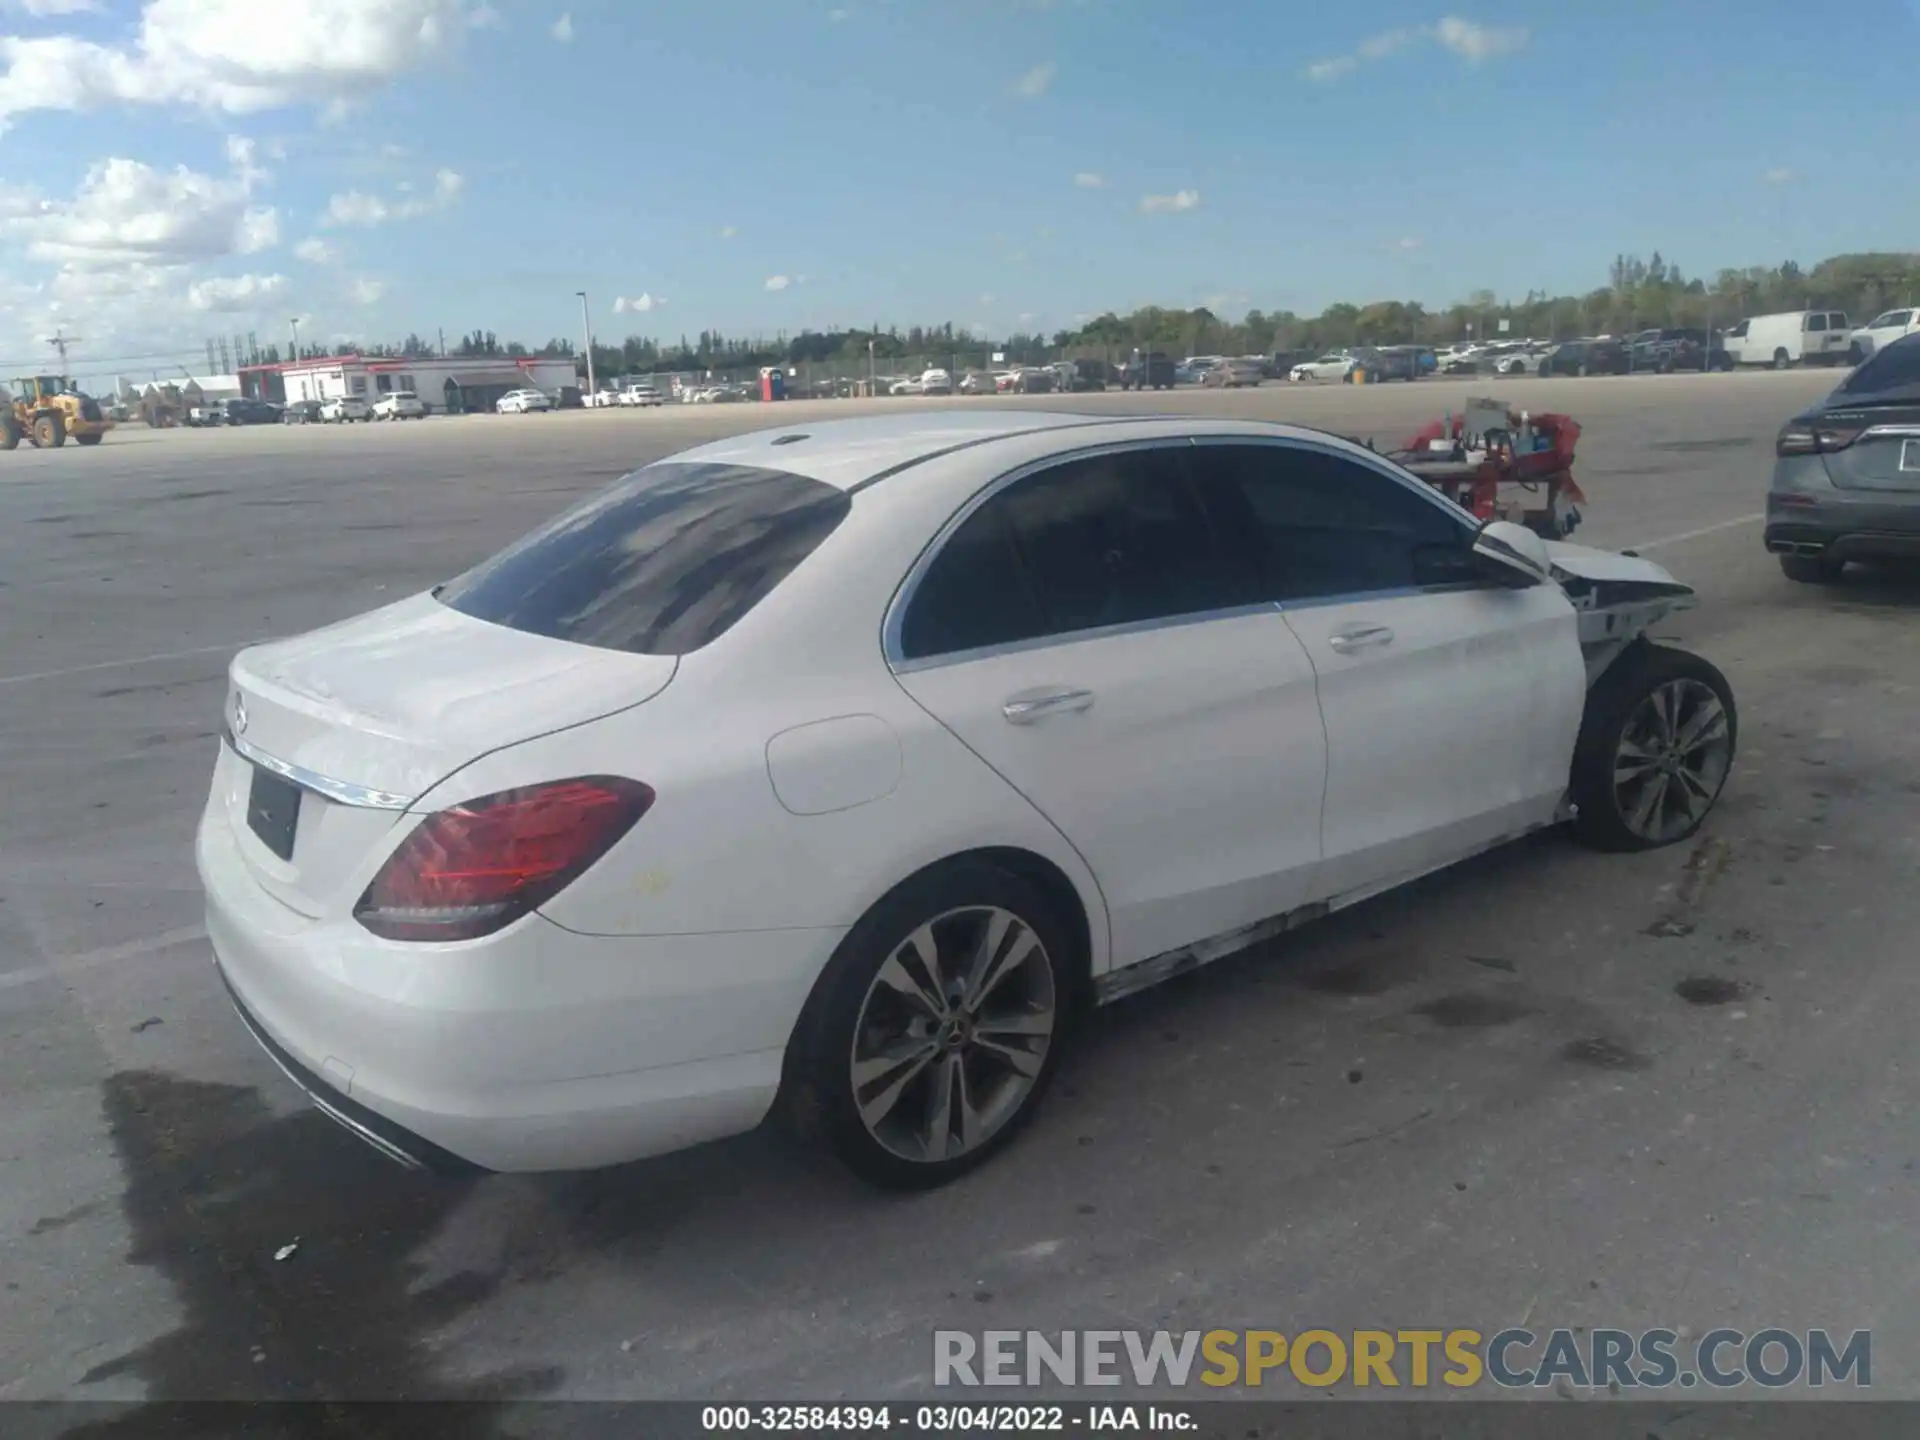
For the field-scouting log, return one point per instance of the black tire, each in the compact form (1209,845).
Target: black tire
(9,432)
(92,437)
(1811,569)
(818,1088)
(49,432)
(1781,360)
(1615,702)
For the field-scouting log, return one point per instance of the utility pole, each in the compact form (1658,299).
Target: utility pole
(442,333)
(60,342)
(295,323)
(587,324)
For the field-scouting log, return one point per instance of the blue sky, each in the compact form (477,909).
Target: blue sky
(380,166)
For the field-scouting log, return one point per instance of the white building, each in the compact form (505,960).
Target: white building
(443,383)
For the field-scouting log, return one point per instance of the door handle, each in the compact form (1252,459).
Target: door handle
(1026,708)
(1360,637)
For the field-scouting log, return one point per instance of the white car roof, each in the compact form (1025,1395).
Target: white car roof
(848,453)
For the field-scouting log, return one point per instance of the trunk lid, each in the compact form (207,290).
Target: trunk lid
(366,716)
(1885,454)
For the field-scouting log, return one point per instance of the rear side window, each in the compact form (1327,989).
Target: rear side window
(1892,367)
(1112,539)
(664,562)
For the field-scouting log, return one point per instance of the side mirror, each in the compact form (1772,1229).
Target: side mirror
(1514,552)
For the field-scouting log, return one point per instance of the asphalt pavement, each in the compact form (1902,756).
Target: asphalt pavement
(1548,1086)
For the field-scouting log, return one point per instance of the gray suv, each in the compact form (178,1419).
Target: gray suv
(1846,477)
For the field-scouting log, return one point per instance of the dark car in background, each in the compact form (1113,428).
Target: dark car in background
(1391,362)
(249,411)
(1586,357)
(1668,350)
(1846,472)
(1153,371)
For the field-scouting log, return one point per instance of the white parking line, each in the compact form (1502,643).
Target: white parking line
(1664,540)
(107,955)
(153,659)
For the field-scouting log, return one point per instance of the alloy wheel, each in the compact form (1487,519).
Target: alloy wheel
(953,1034)
(1672,759)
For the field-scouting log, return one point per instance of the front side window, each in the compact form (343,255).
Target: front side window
(1316,524)
(664,562)
(1112,539)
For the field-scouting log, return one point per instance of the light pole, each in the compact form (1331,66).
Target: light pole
(587,325)
(295,323)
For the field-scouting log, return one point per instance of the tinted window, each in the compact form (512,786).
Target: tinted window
(1110,540)
(1892,367)
(1316,524)
(1816,322)
(1116,539)
(661,564)
(974,594)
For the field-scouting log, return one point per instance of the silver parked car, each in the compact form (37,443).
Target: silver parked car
(1846,473)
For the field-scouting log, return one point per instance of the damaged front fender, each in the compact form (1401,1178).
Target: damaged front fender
(1619,598)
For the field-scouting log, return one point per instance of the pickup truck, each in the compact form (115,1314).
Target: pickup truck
(1153,371)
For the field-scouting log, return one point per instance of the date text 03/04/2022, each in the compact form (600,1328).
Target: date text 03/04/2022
(944,1419)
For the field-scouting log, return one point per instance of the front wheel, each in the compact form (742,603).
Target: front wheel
(937,1026)
(1654,751)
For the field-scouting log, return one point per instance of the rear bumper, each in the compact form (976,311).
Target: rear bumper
(1841,527)
(535,1050)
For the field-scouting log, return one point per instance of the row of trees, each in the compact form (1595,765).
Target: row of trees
(1639,293)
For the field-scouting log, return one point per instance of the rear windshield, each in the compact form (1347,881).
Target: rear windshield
(1897,367)
(664,562)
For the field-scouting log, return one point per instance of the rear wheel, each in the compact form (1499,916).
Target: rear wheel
(1781,360)
(9,432)
(91,437)
(937,1026)
(1654,750)
(1811,569)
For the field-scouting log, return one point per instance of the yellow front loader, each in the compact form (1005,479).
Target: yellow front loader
(47,411)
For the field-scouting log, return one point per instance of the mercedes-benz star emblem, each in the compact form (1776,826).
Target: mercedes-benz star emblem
(239,716)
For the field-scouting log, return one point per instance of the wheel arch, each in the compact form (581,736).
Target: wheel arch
(1070,907)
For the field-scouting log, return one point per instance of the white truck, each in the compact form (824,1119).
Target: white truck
(1793,337)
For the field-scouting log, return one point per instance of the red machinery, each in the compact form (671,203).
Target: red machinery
(1502,464)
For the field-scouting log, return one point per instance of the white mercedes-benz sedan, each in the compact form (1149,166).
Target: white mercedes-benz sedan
(840,765)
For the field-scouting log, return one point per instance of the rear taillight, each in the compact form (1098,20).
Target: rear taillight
(468,870)
(1800,439)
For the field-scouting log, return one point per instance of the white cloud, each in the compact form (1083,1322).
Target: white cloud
(835,17)
(1474,43)
(1033,84)
(727,232)
(562,29)
(259,230)
(1090,180)
(1164,204)
(316,252)
(1468,39)
(360,210)
(128,213)
(1779,175)
(53,7)
(230,56)
(235,293)
(367,292)
(778,282)
(1408,242)
(638,304)
(356,207)
(484,17)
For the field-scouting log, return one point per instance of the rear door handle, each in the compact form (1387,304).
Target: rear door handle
(1032,705)
(1360,637)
